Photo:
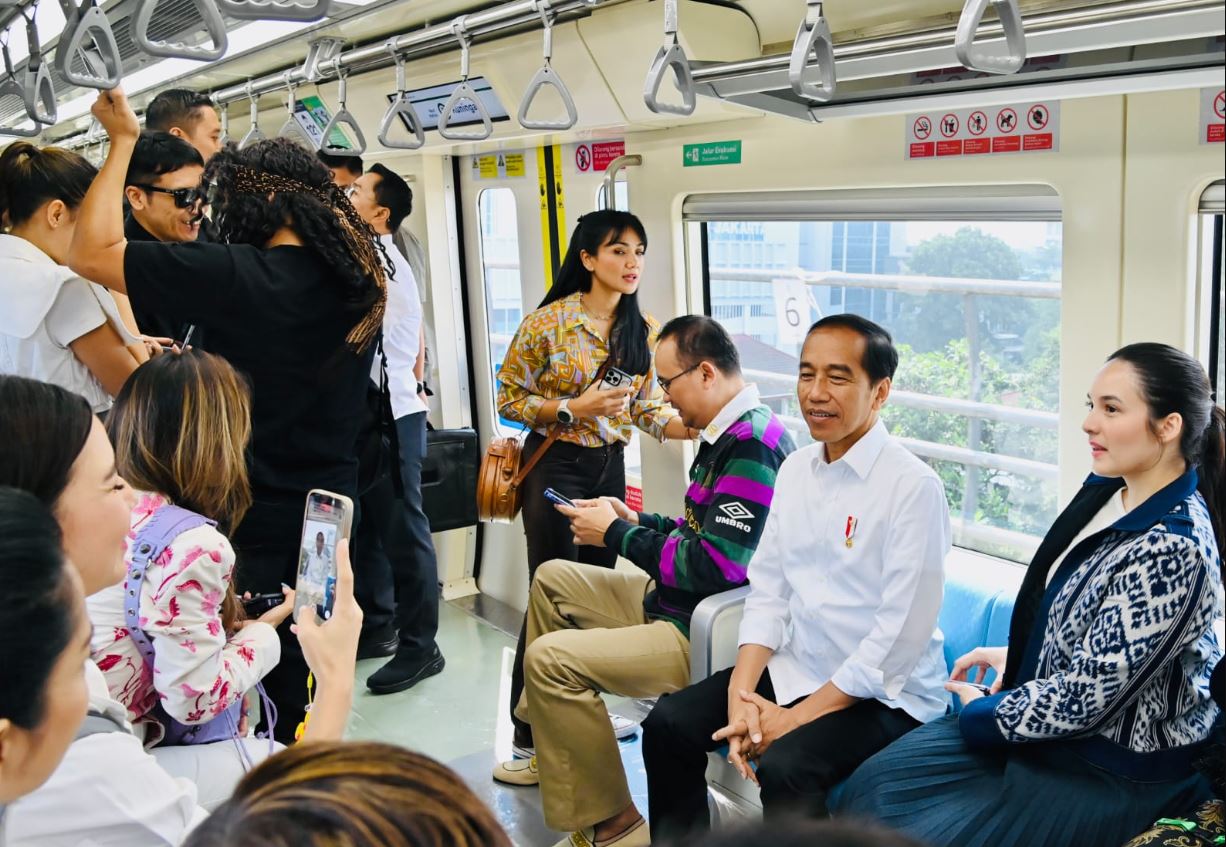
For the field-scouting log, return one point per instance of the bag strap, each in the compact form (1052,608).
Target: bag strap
(552,437)
(152,539)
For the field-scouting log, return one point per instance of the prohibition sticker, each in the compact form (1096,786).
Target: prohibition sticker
(1212,116)
(1015,128)
(1037,117)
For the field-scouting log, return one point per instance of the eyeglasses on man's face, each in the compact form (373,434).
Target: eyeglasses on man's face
(664,383)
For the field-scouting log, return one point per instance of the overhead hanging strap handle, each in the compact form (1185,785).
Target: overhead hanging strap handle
(38,91)
(463,92)
(253,135)
(342,117)
(210,16)
(10,87)
(400,107)
(102,64)
(292,129)
(670,57)
(974,56)
(274,10)
(223,114)
(813,38)
(547,76)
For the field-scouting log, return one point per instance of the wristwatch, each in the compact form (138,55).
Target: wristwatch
(564,414)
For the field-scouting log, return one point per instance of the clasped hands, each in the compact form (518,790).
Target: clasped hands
(754,723)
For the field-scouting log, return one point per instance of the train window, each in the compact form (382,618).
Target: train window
(621,195)
(1213,298)
(504,304)
(972,298)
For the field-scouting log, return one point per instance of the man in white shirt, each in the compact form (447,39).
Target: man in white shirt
(400,526)
(839,648)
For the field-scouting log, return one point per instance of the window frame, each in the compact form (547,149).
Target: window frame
(1020,203)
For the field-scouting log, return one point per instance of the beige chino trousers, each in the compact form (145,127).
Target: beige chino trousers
(586,634)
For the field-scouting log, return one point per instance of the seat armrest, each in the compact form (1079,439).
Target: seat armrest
(714,619)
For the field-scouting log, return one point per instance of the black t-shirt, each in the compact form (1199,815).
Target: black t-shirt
(279,319)
(149,320)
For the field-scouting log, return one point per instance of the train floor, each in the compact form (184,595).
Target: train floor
(460,716)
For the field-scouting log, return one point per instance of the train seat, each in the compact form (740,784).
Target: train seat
(978,603)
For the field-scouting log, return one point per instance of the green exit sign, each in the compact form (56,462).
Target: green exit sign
(712,153)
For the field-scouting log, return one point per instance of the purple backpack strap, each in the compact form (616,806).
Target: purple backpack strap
(152,539)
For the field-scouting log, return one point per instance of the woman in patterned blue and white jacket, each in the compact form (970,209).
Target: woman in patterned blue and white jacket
(1100,705)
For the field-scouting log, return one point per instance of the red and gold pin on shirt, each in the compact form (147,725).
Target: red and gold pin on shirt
(850,531)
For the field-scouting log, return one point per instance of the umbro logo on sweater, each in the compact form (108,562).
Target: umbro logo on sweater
(735,514)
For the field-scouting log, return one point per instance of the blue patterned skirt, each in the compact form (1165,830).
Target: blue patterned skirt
(929,784)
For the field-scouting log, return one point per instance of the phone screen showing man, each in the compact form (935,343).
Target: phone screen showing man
(325,523)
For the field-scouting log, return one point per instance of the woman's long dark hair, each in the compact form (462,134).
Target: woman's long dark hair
(1172,382)
(628,341)
(43,429)
(277,183)
(36,593)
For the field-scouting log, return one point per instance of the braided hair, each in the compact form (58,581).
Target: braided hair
(276,183)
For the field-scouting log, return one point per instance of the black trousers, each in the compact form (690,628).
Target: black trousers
(795,772)
(578,473)
(395,576)
(262,569)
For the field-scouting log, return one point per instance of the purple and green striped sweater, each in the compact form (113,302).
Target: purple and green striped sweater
(707,550)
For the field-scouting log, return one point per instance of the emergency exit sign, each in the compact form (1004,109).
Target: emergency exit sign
(711,153)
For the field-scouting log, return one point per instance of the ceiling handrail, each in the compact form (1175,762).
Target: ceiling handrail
(463,92)
(670,56)
(547,76)
(401,107)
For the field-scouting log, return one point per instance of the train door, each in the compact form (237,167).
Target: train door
(518,208)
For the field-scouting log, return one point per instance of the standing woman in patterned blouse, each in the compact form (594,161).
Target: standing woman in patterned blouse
(1100,706)
(589,316)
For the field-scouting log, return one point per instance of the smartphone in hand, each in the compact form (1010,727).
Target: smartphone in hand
(261,603)
(615,378)
(326,522)
(560,499)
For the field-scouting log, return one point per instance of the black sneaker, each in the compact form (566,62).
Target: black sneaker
(377,644)
(403,672)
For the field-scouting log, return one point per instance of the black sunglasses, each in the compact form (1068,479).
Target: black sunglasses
(665,383)
(184,198)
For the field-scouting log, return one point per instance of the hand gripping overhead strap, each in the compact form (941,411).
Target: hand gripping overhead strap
(87,54)
(670,56)
(547,76)
(463,92)
(400,107)
(813,38)
(976,57)
(210,15)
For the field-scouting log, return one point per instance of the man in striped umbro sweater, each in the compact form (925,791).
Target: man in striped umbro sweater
(593,630)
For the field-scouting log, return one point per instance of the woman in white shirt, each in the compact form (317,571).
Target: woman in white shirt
(55,326)
(108,791)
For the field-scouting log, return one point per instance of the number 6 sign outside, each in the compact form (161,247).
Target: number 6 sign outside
(792,312)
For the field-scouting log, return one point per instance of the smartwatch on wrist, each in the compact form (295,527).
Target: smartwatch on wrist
(564,414)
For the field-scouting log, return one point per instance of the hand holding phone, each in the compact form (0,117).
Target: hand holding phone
(261,603)
(327,520)
(560,499)
(602,400)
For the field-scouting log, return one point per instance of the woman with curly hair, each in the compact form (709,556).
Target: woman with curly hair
(292,295)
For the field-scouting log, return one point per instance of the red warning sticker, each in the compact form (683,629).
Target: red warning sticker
(1212,115)
(1015,128)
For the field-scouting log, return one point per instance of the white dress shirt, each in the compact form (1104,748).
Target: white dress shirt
(401,333)
(861,615)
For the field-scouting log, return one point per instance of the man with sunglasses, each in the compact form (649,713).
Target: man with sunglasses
(591,629)
(165,203)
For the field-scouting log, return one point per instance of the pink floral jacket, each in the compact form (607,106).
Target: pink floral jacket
(197,672)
